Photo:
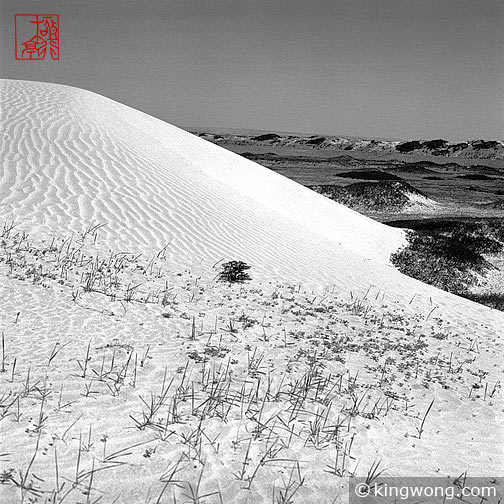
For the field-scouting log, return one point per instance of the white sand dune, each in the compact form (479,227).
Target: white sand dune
(72,159)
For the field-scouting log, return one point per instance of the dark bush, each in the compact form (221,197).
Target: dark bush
(436,144)
(494,300)
(410,146)
(369,175)
(234,272)
(375,196)
(459,146)
(266,137)
(474,176)
(482,144)
(449,254)
(315,141)
(443,263)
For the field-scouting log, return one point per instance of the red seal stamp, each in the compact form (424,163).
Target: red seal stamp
(37,35)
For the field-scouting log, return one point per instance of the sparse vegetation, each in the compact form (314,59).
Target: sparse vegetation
(369,175)
(436,144)
(266,137)
(375,196)
(449,254)
(315,141)
(188,389)
(482,144)
(410,146)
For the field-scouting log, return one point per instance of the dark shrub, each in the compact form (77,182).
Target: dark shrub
(475,176)
(444,263)
(494,300)
(369,175)
(436,144)
(482,144)
(375,196)
(459,146)
(449,254)
(410,146)
(234,272)
(266,137)
(315,141)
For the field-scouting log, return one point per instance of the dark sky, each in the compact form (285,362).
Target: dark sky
(379,68)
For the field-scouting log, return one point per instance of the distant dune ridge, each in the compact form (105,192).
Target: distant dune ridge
(471,149)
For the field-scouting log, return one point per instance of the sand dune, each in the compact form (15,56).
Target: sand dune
(80,158)
(324,305)
(72,158)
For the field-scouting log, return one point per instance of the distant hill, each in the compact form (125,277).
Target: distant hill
(385,196)
(471,149)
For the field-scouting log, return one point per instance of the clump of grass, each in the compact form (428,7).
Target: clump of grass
(234,272)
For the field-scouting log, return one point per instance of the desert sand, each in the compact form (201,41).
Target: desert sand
(131,373)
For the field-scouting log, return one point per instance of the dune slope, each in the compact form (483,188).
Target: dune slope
(73,158)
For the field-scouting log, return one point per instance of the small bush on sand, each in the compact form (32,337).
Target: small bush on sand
(234,272)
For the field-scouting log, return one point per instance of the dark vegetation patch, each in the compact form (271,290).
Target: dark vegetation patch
(448,254)
(339,161)
(262,156)
(485,144)
(419,168)
(493,226)
(234,272)
(441,147)
(410,146)
(475,176)
(373,196)
(440,152)
(436,144)
(266,137)
(493,299)
(369,175)
(459,146)
(315,141)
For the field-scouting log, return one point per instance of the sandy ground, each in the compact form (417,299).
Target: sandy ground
(130,373)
